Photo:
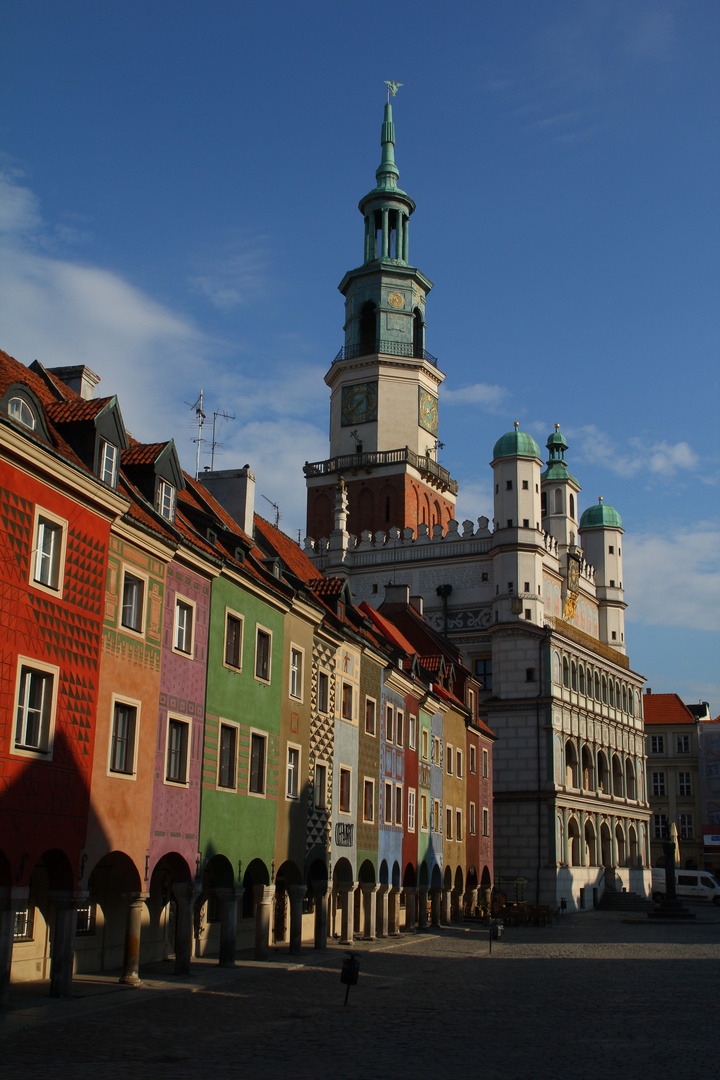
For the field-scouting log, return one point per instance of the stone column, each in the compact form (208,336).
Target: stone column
(133,928)
(471,898)
(368,255)
(598,841)
(566,838)
(63,947)
(613,843)
(369,911)
(458,907)
(583,855)
(382,911)
(385,233)
(10,901)
(410,901)
(399,235)
(422,909)
(394,911)
(264,896)
(297,896)
(435,905)
(185,893)
(347,921)
(406,238)
(322,900)
(228,898)
(445,902)
(357,912)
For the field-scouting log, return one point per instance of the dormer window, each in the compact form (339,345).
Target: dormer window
(166,500)
(108,463)
(19,410)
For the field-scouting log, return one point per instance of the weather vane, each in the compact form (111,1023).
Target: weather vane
(393,87)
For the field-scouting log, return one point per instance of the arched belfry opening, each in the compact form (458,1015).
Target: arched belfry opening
(368,328)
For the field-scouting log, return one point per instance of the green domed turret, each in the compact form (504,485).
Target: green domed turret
(556,465)
(516,444)
(600,516)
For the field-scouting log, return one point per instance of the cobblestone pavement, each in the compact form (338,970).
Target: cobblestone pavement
(593,996)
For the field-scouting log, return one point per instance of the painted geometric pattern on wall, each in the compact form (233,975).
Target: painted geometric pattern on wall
(322,745)
(84,567)
(16,519)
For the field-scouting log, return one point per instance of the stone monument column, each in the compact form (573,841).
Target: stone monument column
(382,911)
(264,896)
(133,928)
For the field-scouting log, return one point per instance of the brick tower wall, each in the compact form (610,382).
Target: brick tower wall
(378,503)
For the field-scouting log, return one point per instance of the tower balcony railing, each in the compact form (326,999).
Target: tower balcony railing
(386,348)
(348,462)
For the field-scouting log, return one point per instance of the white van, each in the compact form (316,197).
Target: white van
(689,885)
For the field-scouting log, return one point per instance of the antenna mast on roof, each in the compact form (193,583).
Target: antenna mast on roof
(198,407)
(277,510)
(224,416)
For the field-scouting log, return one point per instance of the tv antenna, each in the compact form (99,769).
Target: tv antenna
(200,416)
(277,510)
(223,416)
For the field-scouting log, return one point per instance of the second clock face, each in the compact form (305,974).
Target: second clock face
(428,411)
(573,575)
(359,403)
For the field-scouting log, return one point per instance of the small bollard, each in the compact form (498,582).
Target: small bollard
(349,973)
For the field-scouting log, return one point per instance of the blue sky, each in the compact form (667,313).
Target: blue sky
(179,203)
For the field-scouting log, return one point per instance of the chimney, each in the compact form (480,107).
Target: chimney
(397,594)
(79,378)
(648,690)
(417,603)
(234,489)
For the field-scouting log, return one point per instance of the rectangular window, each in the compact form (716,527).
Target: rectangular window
(473,824)
(437,750)
(448,823)
(263,641)
(483,672)
(459,763)
(48,550)
(347,701)
(657,744)
(23,928)
(133,603)
(389,724)
(258,753)
(183,627)
(387,816)
(166,500)
(398,805)
(486,821)
(458,826)
(35,712)
(449,759)
(320,793)
(660,827)
(473,759)
(425,744)
(227,756)
(682,743)
(424,812)
(108,462)
(323,692)
(471,703)
(399,728)
(412,732)
(296,659)
(345,807)
(685,826)
(684,783)
(658,783)
(437,821)
(369,716)
(411,810)
(369,800)
(292,785)
(486,765)
(85,921)
(233,640)
(122,743)
(177,751)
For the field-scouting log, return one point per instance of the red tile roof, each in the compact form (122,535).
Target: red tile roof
(76,410)
(142,453)
(328,586)
(387,628)
(282,545)
(666,709)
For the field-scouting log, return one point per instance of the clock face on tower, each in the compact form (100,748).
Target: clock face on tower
(427,411)
(359,403)
(573,575)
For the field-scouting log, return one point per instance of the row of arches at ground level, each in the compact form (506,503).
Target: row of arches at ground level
(50,928)
(582,840)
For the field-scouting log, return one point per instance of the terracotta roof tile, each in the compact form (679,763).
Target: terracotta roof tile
(291,553)
(666,709)
(328,586)
(142,453)
(388,628)
(77,410)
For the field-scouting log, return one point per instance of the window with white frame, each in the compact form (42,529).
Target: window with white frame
(48,551)
(458,826)
(448,823)
(122,739)
(320,792)
(344,797)
(399,727)
(398,805)
(258,758)
(486,765)
(296,672)
(389,723)
(263,648)
(165,504)
(425,744)
(347,701)
(388,808)
(35,706)
(657,744)
(233,640)
(178,733)
(660,827)
(227,756)
(449,759)
(658,783)
(19,410)
(684,783)
(473,824)
(459,763)
(370,712)
(685,826)
(108,462)
(292,781)
(423,811)
(323,692)
(412,732)
(437,820)
(437,750)
(183,636)
(132,610)
(682,744)
(411,810)
(486,821)
(368,800)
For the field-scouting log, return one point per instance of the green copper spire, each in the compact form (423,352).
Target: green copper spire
(387,173)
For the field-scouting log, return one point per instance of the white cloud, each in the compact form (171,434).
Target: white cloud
(475,500)
(660,458)
(233,276)
(485,395)
(674,580)
(19,207)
